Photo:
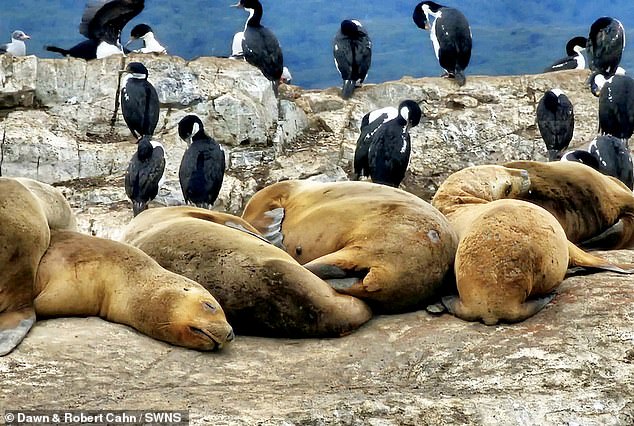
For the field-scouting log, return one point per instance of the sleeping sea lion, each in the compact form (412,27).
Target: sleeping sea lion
(378,243)
(595,210)
(512,254)
(85,275)
(262,290)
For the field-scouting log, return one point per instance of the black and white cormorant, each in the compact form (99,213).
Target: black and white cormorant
(102,23)
(616,107)
(605,45)
(575,59)
(450,35)
(383,148)
(556,122)
(352,50)
(145,174)
(203,165)
(260,47)
(139,101)
(17,46)
(144,33)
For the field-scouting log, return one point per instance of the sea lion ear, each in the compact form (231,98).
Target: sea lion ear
(14,326)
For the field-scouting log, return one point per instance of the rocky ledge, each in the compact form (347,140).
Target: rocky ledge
(572,364)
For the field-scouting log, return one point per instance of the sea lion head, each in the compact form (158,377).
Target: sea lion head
(186,314)
(480,184)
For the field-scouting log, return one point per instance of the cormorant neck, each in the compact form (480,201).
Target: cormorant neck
(255,16)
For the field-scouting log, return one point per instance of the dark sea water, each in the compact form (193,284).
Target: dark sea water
(509,37)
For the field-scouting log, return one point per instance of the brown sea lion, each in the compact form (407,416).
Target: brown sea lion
(371,241)
(262,290)
(511,253)
(85,275)
(595,210)
(24,237)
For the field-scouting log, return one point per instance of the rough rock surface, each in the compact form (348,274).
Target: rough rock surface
(571,364)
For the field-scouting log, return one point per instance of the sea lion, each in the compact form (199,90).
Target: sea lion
(595,210)
(512,254)
(24,237)
(381,244)
(262,290)
(85,275)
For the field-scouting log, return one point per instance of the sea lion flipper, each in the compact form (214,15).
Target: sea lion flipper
(455,307)
(269,223)
(14,326)
(514,314)
(273,231)
(606,239)
(339,270)
(579,257)
(436,308)
(619,235)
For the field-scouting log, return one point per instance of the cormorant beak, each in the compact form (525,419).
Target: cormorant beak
(130,41)
(238,4)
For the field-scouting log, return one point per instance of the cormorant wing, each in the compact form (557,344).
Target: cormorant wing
(361,163)
(105,19)
(567,63)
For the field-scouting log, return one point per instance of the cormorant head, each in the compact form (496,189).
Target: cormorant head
(422,12)
(139,31)
(551,99)
(410,112)
(189,126)
(137,69)
(248,4)
(350,28)
(576,45)
(597,81)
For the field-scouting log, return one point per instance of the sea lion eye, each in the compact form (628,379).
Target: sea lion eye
(185,289)
(508,189)
(208,306)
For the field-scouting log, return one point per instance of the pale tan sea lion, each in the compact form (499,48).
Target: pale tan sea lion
(512,254)
(24,237)
(85,275)
(371,241)
(595,210)
(262,290)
